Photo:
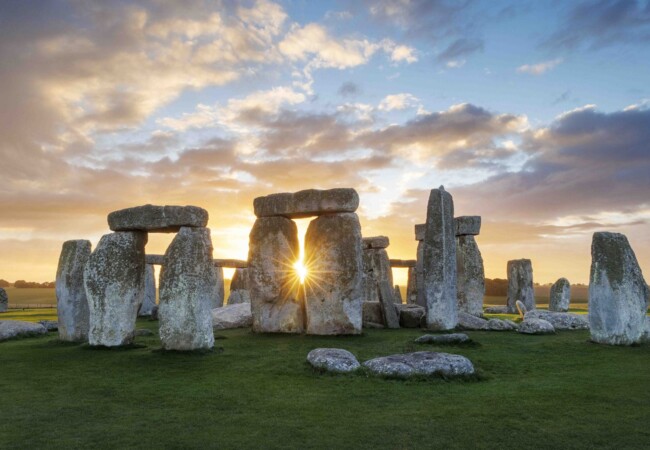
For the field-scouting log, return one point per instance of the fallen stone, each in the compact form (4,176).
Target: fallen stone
(467,225)
(397,295)
(410,316)
(114,281)
(560,320)
(333,300)
(10,329)
(471,322)
(372,313)
(560,296)
(231,263)
(443,339)
(388,306)
(143,332)
(496,310)
(50,325)
(520,285)
(419,231)
(149,298)
(422,364)
(333,360)
(71,301)
(618,294)
(521,308)
(375,242)
(4,300)
(157,219)
(156,260)
(310,202)
(470,282)
(500,325)
(402,263)
(514,325)
(275,304)
(232,316)
(439,261)
(536,326)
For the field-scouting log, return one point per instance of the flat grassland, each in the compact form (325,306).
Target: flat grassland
(256,391)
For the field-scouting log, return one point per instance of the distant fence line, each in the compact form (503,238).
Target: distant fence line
(33,306)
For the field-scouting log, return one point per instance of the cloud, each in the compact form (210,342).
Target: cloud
(398,102)
(460,48)
(349,89)
(539,68)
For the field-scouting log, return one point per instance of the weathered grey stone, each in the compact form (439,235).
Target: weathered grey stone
(334,290)
(10,329)
(4,300)
(618,294)
(421,363)
(149,298)
(50,325)
(470,283)
(560,320)
(114,281)
(514,325)
(154,313)
(219,288)
(645,336)
(157,219)
(467,225)
(232,316)
(411,287)
(156,260)
(520,284)
(388,306)
(372,312)
(239,286)
(439,261)
(231,263)
(187,289)
(442,339)
(310,202)
(397,295)
(560,296)
(333,360)
(500,325)
(238,297)
(402,263)
(419,231)
(536,326)
(375,242)
(471,322)
(273,249)
(376,269)
(521,308)
(496,310)
(410,316)
(419,276)
(71,301)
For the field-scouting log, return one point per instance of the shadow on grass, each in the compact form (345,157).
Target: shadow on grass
(197,352)
(120,348)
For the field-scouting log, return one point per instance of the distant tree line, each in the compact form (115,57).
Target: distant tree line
(4,283)
(19,284)
(498,287)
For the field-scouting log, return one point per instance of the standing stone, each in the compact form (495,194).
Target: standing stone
(398,295)
(388,307)
(411,287)
(439,259)
(71,301)
(471,276)
(275,302)
(219,288)
(560,296)
(520,285)
(149,299)
(239,290)
(618,294)
(187,285)
(114,281)
(4,300)
(334,285)
(376,269)
(419,276)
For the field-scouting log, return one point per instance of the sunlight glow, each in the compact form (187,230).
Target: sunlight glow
(301,270)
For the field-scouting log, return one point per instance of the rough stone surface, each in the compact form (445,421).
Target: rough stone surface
(238,297)
(453,338)
(154,313)
(471,322)
(410,316)
(4,300)
(618,294)
(439,261)
(397,295)
(560,296)
(375,242)
(496,310)
(467,225)
(376,269)
(71,301)
(520,284)
(239,288)
(50,325)
(310,202)
(156,260)
(10,329)
(560,320)
(421,363)
(521,308)
(419,231)
(231,263)
(232,316)
(274,286)
(372,313)
(334,291)
(149,298)
(536,326)
(500,325)
(219,288)
(157,219)
(411,287)
(333,360)
(645,336)
(470,282)
(419,276)
(114,281)
(187,286)
(388,306)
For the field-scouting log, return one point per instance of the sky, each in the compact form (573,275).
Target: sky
(534,115)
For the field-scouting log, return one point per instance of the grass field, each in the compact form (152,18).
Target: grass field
(256,391)
(30,297)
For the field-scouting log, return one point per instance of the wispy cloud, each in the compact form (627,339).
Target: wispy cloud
(540,68)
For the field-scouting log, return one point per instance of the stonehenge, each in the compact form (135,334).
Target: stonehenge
(307,203)
(560,296)
(376,266)
(71,301)
(157,219)
(469,265)
(520,285)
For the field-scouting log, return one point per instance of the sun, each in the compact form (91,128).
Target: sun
(301,270)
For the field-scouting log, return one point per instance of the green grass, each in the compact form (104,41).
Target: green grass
(30,297)
(256,391)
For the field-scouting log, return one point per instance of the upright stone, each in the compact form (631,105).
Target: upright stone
(439,262)
(149,299)
(560,296)
(388,308)
(239,289)
(520,285)
(71,301)
(4,300)
(376,269)
(398,295)
(157,219)
(219,288)
(618,294)
(471,276)
(187,285)
(114,281)
(411,287)
(275,303)
(419,276)
(334,284)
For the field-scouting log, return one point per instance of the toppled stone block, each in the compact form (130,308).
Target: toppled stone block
(443,339)
(375,242)
(10,329)
(232,316)
(307,203)
(468,321)
(421,363)
(157,219)
(536,326)
(335,360)
(560,320)
(467,225)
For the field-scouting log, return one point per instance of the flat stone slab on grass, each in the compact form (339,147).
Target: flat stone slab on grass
(334,360)
(157,219)
(10,329)
(50,325)
(536,326)
(454,338)
(560,320)
(421,363)
(227,317)
(496,310)
(467,321)
(307,203)
(500,325)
